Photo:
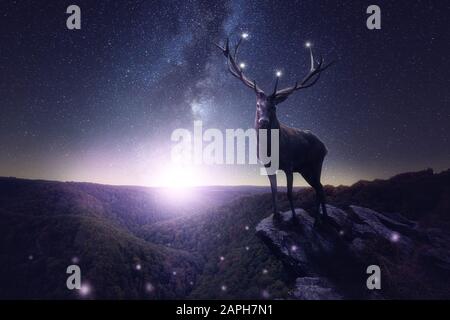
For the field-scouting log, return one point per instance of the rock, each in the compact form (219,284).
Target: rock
(300,247)
(372,219)
(286,244)
(334,255)
(315,288)
(393,221)
(437,253)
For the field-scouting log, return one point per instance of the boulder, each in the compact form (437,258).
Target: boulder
(315,288)
(330,259)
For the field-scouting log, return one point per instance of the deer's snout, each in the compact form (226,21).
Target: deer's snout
(263,122)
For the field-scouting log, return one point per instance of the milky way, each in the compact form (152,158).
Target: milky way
(99,104)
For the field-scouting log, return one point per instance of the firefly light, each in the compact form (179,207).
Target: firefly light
(265,294)
(278,73)
(308,44)
(149,287)
(242,65)
(85,290)
(244,35)
(395,237)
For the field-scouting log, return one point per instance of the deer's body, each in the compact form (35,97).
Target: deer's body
(299,150)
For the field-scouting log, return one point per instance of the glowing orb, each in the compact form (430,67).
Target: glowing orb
(244,35)
(223,288)
(278,73)
(242,65)
(85,289)
(138,267)
(149,287)
(308,44)
(395,237)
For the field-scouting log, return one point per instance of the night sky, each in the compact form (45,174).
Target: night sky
(99,104)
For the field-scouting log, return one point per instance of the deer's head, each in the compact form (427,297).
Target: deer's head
(266,103)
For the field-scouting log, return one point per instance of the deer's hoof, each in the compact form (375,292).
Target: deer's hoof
(318,222)
(277,217)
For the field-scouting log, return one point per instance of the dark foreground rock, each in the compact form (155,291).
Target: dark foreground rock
(329,261)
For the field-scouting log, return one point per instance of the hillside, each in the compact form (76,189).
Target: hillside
(210,244)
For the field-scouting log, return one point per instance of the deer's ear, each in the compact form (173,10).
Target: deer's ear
(278,99)
(260,95)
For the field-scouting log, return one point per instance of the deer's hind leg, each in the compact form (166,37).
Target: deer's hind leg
(273,187)
(290,182)
(312,176)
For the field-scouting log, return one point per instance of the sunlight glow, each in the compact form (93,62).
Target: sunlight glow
(177,183)
(177,176)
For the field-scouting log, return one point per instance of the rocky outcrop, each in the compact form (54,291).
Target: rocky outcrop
(315,288)
(330,261)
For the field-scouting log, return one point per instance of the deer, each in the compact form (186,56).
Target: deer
(300,151)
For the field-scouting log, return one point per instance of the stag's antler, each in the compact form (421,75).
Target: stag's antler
(315,70)
(233,66)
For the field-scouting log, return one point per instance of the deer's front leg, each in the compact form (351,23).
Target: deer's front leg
(273,187)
